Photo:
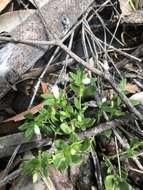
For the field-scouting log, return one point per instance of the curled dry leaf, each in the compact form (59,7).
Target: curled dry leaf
(3,4)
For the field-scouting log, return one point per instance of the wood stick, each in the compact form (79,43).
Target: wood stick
(10,142)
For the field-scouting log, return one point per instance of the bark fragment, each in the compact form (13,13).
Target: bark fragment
(16,59)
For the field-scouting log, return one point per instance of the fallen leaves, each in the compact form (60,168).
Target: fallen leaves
(21,116)
(9,21)
(3,4)
(131,88)
(44,87)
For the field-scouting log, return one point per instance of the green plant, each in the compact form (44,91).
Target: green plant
(113,181)
(135,4)
(62,116)
(112,107)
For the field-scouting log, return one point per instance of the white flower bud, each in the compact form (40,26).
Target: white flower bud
(37,130)
(86,81)
(56,91)
(104,100)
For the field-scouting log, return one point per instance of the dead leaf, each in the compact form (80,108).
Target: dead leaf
(11,20)
(4,3)
(21,116)
(44,87)
(131,88)
(10,125)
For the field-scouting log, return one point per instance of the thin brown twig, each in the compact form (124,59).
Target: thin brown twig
(42,76)
(95,71)
(105,76)
(10,177)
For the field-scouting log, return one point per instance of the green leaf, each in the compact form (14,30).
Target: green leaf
(23,127)
(29,133)
(122,84)
(68,158)
(75,88)
(86,145)
(124,186)
(65,128)
(76,159)
(73,136)
(79,117)
(110,182)
(119,101)
(76,146)
(60,144)
(77,77)
(93,80)
(89,122)
(47,96)
(124,173)
(131,152)
(59,161)
(29,116)
(63,165)
(77,103)
(90,91)
(62,101)
(72,151)
(117,113)
(64,114)
(81,90)
(135,102)
(134,141)
(69,109)
(31,166)
(73,76)
(107,133)
(45,157)
(49,99)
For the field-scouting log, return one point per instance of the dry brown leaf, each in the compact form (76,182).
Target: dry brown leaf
(44,87)
(131,88)
(21,116)
(10,125)
(4,3)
